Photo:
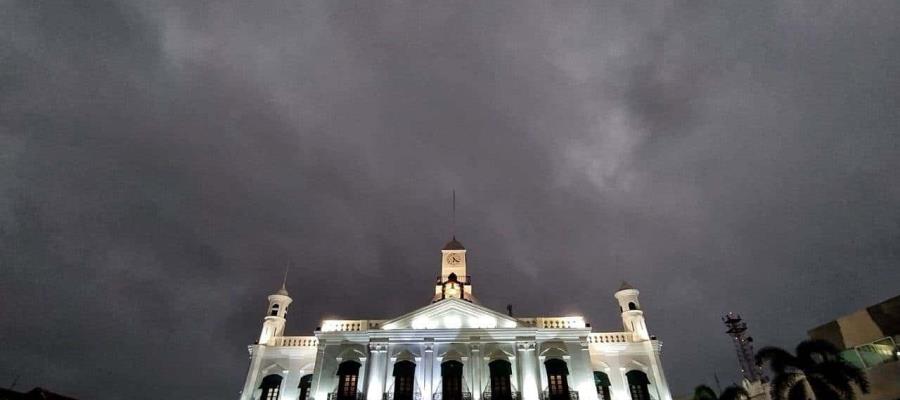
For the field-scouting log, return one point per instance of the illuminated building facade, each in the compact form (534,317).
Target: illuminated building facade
(456,349)
(870,340)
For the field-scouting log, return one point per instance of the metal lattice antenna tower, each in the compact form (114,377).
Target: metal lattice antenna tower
(743,344)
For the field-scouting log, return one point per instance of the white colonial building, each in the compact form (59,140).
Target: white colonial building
(456,349)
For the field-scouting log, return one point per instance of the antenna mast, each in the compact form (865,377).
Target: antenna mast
(743,345)
(453,217)
(287,268)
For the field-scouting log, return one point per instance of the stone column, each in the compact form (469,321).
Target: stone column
(467,374)
(659,379)
(526,355)
(363,378)
(622,392)
(256,356)
(476,361)
(428,355)
(375,366)
(315,389)
(581,372)
(388,368)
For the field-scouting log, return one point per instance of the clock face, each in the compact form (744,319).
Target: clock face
(454,258)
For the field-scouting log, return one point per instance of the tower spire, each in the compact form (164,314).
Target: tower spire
(273,323)
(283,291)
(453,281)
(453,217)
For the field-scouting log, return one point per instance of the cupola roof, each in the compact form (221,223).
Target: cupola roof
(453,244)
(283,291)
(625,286)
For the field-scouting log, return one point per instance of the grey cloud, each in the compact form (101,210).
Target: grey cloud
(163,161)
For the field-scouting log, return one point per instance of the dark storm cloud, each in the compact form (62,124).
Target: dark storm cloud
(162,162)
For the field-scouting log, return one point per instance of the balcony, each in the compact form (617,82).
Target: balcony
(510,396)
(572,395)
(338,396)
(466,280)
(460,396)
(414,396)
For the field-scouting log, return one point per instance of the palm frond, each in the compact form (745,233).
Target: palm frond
(825,390)
(798,391)
(734,393)
(837,382)
(807,348)
(704,392)
(842,375)
(783,383)
(779,359)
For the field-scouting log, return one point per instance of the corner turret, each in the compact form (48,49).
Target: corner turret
(632,316)
(273,323)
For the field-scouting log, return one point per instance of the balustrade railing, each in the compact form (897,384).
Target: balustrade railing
(560,322)
(487,395)
(572,395)
(296,341)
(402,396)
(612,337)
(458,396)
(341,396)
(346,325)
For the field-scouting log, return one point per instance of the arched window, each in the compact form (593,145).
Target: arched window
(632,306)
(271,387)
(601,382)
(557,379)
(274,312)
(404,377)
(305,383)
(637,385)
(501,388)
(348,375)
(451,380)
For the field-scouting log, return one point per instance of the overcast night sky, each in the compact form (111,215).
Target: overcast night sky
(160,163)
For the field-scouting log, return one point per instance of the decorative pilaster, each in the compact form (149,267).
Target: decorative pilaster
(527,364)
(428,354)
(375,366)
(581,370)
(477,362)
(653,349)
(256,353)
(316,389)
(388,367)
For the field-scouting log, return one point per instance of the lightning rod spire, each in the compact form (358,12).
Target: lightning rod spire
(453,218)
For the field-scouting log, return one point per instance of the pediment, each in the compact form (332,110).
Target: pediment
(451,314)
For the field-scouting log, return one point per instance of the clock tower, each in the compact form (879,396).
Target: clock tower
(454,281)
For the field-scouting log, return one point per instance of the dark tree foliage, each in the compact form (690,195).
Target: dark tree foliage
(704,392)
(734,393)
(816,367)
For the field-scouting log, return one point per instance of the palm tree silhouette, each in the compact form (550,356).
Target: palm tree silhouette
(816,372)
(704,392)
(734,393)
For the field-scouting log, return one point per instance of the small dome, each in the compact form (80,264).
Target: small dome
(625,286)
(453,244)
(283,291)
